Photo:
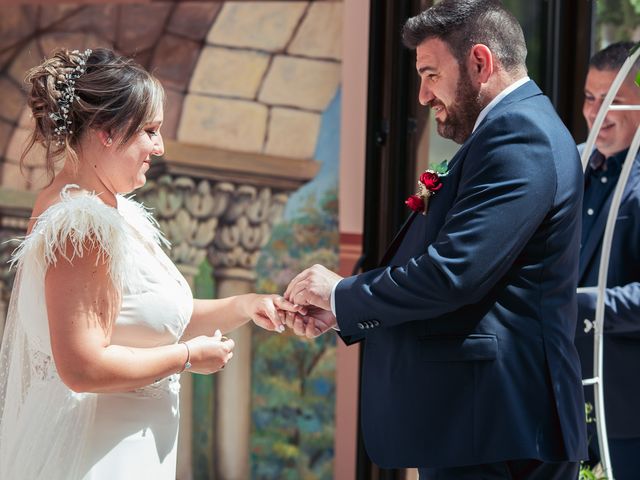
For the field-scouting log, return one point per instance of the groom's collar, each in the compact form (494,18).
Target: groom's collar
(485,111)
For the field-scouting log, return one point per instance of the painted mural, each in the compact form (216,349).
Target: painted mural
(293,381)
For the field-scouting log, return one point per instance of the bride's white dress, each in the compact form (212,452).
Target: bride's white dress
(47,431)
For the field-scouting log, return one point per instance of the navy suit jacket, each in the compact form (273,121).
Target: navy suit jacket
(468,332)
(621,357)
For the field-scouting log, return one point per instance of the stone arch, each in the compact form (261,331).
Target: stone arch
(165,37)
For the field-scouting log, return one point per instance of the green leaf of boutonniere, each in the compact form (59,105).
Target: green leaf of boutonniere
(633,50)
(441,168)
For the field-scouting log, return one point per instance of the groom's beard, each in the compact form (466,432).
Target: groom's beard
(463,112)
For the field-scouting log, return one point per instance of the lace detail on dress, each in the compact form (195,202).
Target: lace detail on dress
(43,367)
(160,388)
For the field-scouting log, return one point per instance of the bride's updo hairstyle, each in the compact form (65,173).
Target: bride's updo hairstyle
(74,92)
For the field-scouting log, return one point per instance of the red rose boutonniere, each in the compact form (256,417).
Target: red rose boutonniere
(430,182)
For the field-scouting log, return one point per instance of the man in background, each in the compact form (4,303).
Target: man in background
(622,312)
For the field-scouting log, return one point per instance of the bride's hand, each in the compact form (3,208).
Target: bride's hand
(209,354)
(269,311)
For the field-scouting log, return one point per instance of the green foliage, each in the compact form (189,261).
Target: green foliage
(294,378)
(622,15)
(586,473)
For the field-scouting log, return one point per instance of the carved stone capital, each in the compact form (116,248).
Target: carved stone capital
(219,203)
(246,226)
(231,222)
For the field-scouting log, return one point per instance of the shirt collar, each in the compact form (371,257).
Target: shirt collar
(498,98)
(597,161)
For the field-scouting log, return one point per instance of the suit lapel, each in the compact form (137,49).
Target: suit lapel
(589,249)
(397,240)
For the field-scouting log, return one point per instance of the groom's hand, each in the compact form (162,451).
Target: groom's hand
(316,322)
(313,286)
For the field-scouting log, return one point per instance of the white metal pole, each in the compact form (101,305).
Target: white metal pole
(598,381)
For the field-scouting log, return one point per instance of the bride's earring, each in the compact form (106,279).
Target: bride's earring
(109,142)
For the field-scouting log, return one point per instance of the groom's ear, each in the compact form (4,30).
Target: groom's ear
(480,63)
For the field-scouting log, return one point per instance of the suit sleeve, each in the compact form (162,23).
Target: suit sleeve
(506,188)
(621,309)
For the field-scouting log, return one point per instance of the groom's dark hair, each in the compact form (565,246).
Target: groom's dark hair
(464,23)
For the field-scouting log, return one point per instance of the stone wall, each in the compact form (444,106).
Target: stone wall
(265,75)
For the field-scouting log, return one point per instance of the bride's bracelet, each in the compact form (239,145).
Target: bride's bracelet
(187,363)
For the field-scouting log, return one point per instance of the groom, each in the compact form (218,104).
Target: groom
(469,369)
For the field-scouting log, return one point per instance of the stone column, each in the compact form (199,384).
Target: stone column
(232,411)
(243,230)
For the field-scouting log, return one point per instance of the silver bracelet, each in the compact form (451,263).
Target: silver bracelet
(187,363)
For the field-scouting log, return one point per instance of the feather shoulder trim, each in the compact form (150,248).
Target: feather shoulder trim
(83,222)
(142,220)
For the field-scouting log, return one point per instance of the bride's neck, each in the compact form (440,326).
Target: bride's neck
(85,175)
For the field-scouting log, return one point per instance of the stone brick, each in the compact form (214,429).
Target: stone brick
(6,129)
(292,133)
(231,124)
(193,19)
(6,56)
(12,177)
(16,23)
(17,144)
(12,100)
(320,34)
(29,57)
(229,72)
(99,20)
(300,82)
(55,40)
(174,61)
(141,26)
(261,25)
(50,14)
(172,110)
(142,57)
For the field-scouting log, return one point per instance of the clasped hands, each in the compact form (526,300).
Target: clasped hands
(311,289)
(305,306)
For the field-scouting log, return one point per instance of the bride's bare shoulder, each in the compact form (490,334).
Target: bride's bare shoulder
(45,199)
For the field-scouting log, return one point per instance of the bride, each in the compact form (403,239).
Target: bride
(101,323)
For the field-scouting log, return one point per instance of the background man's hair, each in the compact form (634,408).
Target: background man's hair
(464,23)
(612,57)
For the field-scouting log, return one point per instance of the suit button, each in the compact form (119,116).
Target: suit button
(361,326)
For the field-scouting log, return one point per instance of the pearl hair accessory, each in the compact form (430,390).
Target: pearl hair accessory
(67,88)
